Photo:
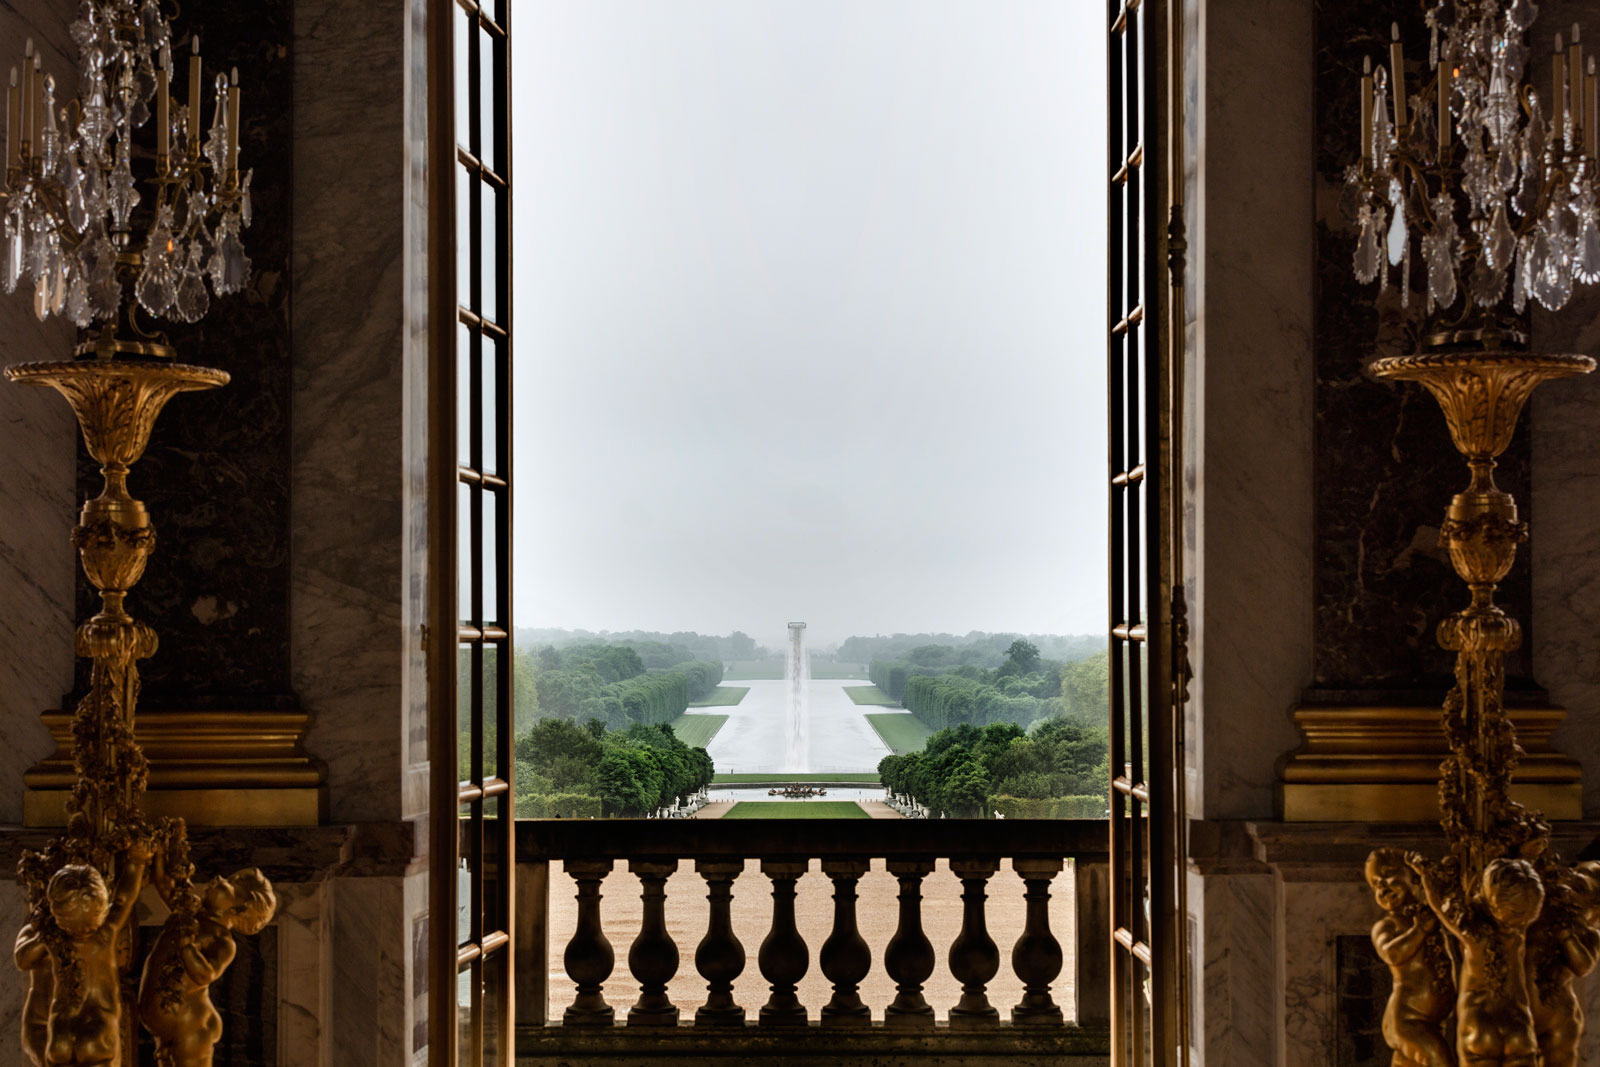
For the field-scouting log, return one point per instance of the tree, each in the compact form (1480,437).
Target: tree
(1023,656)
(629,780)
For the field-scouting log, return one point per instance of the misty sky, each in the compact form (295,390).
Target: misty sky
(810,300)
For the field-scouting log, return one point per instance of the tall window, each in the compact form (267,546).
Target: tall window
(470,666)
(1146,825)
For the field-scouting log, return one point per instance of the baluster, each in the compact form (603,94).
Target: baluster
(589,958)
(845,957)
(719,957)
(531,934)
(783,957)
(1036,957)
(909,957)
(974,958)
(1092,931)
(653,957)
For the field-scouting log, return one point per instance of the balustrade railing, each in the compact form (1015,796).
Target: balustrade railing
(597,1016)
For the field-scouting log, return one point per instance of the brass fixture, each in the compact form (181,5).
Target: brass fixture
(1500,901)
(81,888)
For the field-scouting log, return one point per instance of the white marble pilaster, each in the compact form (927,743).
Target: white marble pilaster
(1239,971)
(349,522)
(38,489)
(1253,365)
(373,1009)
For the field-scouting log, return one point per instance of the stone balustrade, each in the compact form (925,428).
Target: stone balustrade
(600,1025)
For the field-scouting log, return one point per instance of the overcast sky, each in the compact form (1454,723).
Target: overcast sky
(809,307)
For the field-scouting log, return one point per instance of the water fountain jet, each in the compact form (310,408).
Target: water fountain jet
(797,747)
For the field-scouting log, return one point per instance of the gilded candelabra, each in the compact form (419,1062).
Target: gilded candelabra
(1497,188)
(71,228)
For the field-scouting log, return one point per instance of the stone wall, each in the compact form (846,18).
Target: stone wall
(37,489)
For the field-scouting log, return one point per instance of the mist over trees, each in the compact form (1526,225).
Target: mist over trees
(942,687)
(975,649)
(612,684)
(656,649)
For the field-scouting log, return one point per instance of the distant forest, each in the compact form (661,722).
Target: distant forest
(976,648)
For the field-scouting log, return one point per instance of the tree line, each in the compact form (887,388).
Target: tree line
(977,648)
(612,684)
(665,648)
(1025,687)
(1060,769)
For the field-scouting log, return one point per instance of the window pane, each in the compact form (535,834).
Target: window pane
(466,238)
(493,887)
(490,586)
(464,705)
(494,995)
(466,1005)
(464,359)
(463,77)
(490,360)
(488,251)
(489,69)
(491,688)
(464,878)
(464,543)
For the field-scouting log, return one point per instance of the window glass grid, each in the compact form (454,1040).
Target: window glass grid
(481,243)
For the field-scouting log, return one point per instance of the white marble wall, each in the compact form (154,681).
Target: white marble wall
(370,1006)
(1252,259)
(348,517)
(1565,533)
(1236,1005)
(1249,324)
(38,487)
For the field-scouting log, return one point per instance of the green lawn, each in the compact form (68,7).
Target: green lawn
(696,731)
(903,733)
(865,778)
(796,809)
(871,695)
(724,696)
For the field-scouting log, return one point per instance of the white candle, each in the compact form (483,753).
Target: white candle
(25,114)
(233,129)
(13,124)
(1446,86)
(163,125)
(1558,93)
(38,102)
(1592,111)
(1366,109)
(1575,92)
(1397,70)
(194,98)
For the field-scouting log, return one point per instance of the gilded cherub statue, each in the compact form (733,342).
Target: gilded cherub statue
(1494,1021)
(1563,946)
(192,951)
(1409,941)
(81,1022)
(33,959)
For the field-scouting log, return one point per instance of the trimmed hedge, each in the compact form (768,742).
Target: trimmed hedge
(951,700)
(1089,807)
(558,806)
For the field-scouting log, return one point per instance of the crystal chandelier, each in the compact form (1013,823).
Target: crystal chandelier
(74,228)
(1496,183)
